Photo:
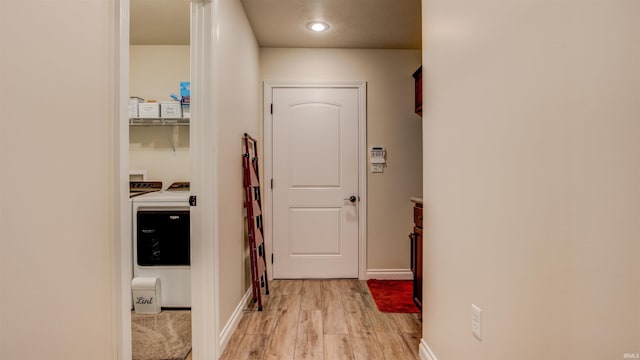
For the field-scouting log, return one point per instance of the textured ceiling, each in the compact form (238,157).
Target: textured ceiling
(375,24)
(387,24)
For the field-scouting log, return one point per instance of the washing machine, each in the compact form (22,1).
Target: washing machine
(161,243)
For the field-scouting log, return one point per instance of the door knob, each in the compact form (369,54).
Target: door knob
(351,198)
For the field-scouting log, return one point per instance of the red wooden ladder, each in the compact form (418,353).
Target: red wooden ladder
(253,205)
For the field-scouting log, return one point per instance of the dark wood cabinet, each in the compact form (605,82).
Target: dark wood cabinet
(416,254)
(418,90)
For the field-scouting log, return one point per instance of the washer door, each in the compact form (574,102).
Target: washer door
(163,238)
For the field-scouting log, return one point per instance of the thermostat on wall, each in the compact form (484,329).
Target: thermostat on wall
(377,154)
(377,159)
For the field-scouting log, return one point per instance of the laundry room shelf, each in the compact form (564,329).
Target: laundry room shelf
(158,122)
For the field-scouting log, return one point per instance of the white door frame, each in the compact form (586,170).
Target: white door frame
(361,86)
(204,254)
(123,252)
(205,316)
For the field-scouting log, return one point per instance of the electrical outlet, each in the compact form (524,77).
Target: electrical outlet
(476,321)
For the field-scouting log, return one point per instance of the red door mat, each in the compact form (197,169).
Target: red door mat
(394,296)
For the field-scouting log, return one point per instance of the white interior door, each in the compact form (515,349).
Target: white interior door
(315,173)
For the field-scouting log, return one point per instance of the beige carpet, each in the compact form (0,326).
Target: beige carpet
(165,336)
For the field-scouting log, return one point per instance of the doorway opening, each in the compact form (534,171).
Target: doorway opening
(177,137)
(159,152)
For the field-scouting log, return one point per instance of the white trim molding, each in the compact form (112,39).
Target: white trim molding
(123,259)
(425,351)
(232,324)
(390,274)
(203,131)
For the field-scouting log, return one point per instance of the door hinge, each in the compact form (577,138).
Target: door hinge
(271,184)
(272,258)
(192,200)
(271,108)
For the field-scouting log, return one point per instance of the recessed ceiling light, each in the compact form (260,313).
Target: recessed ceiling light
(317,26)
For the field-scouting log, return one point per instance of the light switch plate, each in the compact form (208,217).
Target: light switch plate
(476,321)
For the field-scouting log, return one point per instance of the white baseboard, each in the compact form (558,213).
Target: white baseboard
(232,324)
(425,352)
(390,274)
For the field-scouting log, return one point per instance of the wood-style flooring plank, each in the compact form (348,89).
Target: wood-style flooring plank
(366,348)
(381,322)
(311,295)
(394,346)
(281,343)
(236,338)
(263,322)
(337,347)
(309,340)
(289,287)
(360,287)
(413,342)
(250,347)
(333,315)
(408,323)
(349,286)
(358,321)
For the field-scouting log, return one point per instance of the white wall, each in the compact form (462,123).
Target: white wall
(57,179)
(157,70)
(163,151)
(390,122)
(531,157)
(236,105)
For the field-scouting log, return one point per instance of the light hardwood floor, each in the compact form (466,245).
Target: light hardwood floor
(323,320)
